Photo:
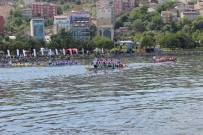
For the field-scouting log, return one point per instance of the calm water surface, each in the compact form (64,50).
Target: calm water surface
(143,99)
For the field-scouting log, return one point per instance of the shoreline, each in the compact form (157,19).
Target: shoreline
(6,61)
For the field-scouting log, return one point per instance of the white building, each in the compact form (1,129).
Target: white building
(60,22)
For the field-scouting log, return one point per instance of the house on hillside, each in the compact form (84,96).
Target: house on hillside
(44,9)
(60,22)
(190,14)
(198,5)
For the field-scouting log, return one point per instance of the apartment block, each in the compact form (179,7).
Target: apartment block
(79,23)
(44,9)
(105,16)
(37,28)
(122,6)
(60,22)
(198,5)
(1,25)
(165,17)
(190,14)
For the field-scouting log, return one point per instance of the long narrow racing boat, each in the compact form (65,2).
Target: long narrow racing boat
(164,59)
(107,64)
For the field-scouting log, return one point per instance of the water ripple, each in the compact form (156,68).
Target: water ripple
(145,98)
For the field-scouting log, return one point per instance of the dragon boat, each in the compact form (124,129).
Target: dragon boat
(164,59)
(107,64)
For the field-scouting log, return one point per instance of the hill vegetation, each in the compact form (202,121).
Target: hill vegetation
(145,28)
(148,29)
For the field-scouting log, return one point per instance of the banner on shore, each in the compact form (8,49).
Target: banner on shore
(64,52)
(57,53)
(42,51)
(17,52)
(34,53)
(71,53)
(83,51)
(24,53)
(50,53)
(8,53)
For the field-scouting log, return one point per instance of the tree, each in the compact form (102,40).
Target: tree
(78,2)
(135,14)
(18,45)
(59,10)
(124,17)
(102,42)
(147,41)
(31,44)
(138,25)
(181,22)
(143,9)
(169,41)
(118,24)
(17,12)
(197,24)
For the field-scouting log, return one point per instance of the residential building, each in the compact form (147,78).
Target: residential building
(190,14)
(60,22)
(129,4)
(79,23)
(166,17)
(1,25)
(44,9)
(37,28)
(199,6)
(105,17)
(122,6)
(183,6)
(27,12)
(118,7)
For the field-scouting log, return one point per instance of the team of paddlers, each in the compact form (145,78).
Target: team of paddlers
(164,59)
(108,63)
(63,63)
